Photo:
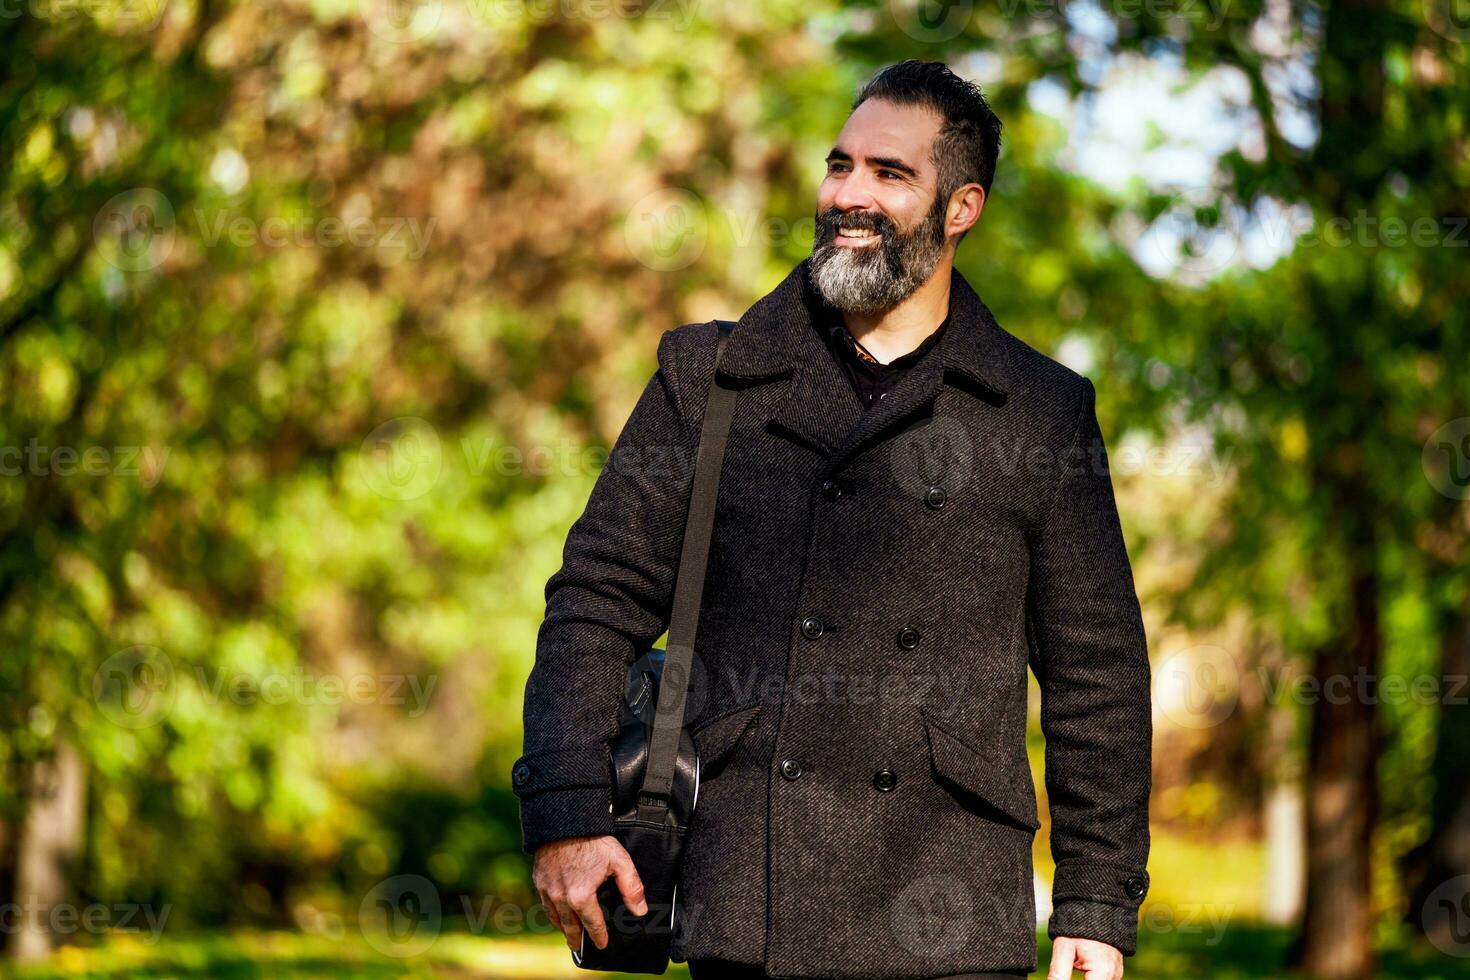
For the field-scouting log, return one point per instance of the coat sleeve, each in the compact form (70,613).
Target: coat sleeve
(607,604)
(1090,657)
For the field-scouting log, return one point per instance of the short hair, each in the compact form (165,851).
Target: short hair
(968,143)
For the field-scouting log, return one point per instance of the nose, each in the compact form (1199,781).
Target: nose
(854,193)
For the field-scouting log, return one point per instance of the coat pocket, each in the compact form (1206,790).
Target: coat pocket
(998,785)
(716,739)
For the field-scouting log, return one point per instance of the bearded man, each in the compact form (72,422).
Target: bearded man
(915,508)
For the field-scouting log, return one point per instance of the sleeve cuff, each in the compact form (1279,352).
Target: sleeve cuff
(1098,900)
(554,814)
(578,767)
(1109,924)
(563,793)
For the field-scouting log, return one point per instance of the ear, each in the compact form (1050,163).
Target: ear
(965,205)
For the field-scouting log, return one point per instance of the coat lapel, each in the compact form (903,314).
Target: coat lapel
(777,338)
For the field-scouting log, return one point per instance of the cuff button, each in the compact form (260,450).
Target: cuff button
(1134,886)
(521,774)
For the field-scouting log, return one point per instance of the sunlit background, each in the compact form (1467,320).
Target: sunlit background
(317,320)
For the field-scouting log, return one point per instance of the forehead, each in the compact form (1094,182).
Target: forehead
(884,129)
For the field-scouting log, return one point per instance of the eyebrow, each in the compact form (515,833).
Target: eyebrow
(885,163)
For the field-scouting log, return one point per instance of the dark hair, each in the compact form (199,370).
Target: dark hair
(969,137)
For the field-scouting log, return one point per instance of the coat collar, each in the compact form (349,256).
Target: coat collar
(777,337)
(770,339)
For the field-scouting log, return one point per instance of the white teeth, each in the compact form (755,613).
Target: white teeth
(855,232)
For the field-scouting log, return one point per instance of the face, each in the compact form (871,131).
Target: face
(880,228)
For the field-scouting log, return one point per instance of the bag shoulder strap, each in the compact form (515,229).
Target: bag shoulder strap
(668,719)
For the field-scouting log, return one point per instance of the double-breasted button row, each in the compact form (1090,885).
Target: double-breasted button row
(884,780)
(813,629)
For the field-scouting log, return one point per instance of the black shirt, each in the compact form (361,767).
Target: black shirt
(870,378)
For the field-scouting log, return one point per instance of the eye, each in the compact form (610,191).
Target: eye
(836,167)
(890,173)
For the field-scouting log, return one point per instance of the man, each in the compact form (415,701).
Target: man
(914,507)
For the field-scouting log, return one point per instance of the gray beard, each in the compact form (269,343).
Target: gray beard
(873,280)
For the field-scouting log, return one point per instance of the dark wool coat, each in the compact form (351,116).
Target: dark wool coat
(879,582)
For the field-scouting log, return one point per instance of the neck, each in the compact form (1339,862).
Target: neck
(897,331)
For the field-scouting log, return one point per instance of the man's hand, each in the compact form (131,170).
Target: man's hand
(567,874)
(1096,960)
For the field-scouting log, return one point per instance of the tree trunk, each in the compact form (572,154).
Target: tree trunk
(1336,941)
(50,838)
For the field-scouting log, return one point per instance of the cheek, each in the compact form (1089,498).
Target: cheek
(903,209)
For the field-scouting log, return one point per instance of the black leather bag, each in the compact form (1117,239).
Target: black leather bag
(655,765)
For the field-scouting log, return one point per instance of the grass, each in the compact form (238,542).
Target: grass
(1182,950)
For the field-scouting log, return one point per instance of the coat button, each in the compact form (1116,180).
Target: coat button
(790,769)
(521,775)
(1135,886)
(908,638)
(935,497)
(831,489)
(884,780)
(812,628)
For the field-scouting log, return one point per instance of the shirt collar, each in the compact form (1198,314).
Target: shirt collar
(829,320)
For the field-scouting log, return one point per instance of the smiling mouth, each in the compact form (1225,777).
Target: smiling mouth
(857,237)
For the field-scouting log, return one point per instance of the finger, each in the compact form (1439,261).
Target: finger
(1062,957)
(552,914)
(571,926)
(630,884)
(591,915)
